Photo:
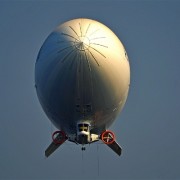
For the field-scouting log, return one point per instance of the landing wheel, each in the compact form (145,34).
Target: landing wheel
(83,148)
(108,137)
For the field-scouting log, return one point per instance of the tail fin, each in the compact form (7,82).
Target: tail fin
(115,147)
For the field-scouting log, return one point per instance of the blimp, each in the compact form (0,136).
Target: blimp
(82,79)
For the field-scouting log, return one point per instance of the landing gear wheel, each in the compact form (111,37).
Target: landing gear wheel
(59,137)
(83,148)
(108,137)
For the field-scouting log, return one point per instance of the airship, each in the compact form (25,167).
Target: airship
(82,79)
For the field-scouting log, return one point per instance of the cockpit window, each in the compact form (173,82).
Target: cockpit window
(83,127)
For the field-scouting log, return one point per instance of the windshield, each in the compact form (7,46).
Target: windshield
(83,127)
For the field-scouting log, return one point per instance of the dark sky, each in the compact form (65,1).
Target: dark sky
(148,128)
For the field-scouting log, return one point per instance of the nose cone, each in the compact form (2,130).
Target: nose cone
(82,43)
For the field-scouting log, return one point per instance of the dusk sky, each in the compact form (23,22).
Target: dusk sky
(148,129)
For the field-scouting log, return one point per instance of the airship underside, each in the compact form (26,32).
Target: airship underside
(82,79)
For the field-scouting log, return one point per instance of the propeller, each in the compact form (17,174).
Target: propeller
(108,137)
(59,137)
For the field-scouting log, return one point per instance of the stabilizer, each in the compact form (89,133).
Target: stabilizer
(115,147)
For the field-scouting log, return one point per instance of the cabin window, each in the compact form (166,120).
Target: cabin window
(83,127)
